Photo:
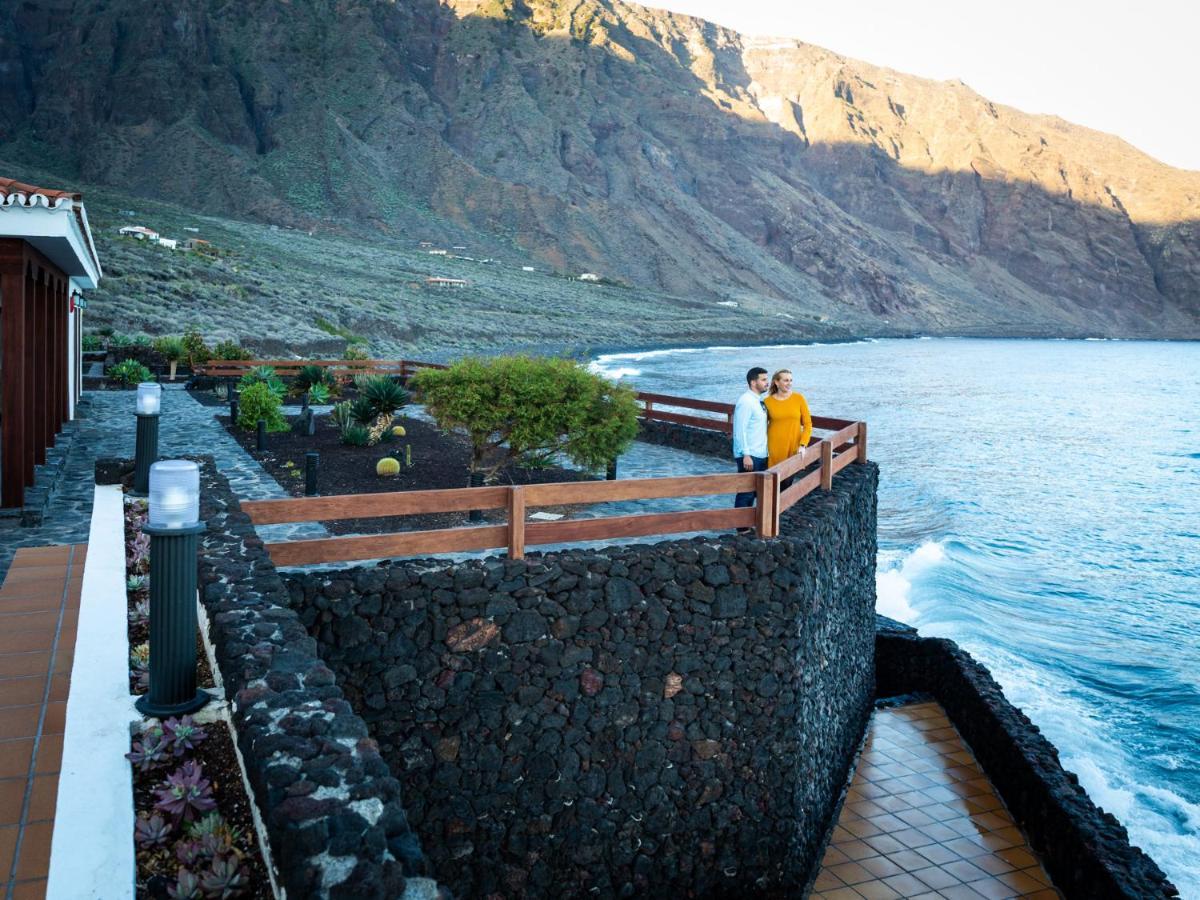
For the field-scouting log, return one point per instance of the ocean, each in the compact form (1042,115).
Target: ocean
(1039,503)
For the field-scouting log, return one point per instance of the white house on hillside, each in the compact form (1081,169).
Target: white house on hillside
(141,232)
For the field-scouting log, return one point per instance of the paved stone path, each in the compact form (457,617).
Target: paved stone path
(107,427)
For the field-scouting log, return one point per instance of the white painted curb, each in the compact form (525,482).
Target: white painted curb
(92,852)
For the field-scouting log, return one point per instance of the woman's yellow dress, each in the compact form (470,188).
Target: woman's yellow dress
(789,426)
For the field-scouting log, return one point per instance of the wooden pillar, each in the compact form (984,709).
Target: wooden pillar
(58,308)
(51,358)
(32,355)
(13,308)
(41,366)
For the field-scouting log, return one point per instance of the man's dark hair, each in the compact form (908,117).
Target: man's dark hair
(754,373)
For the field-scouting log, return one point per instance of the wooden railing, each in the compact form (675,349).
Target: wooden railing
(831,454)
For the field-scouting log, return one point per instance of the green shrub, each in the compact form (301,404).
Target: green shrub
(356,351)
(258,401)
(142,340)
(318,394)
(106,331)
(171,348)
(129,372)
(520,407)
(361,411)
(91,342)
(118,341)
(230,350)
(197,352)
(311,376)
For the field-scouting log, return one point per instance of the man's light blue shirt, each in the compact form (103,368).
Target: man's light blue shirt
(749,426)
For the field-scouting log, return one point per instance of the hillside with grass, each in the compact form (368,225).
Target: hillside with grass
(282,290)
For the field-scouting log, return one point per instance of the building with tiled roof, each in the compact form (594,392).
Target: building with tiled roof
(47,259)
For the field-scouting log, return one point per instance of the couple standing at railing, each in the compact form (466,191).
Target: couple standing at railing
(768,429)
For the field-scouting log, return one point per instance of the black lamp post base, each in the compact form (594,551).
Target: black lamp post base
(146,708)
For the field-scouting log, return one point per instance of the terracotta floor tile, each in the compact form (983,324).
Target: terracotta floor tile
(940,855)
(17,664)
(1038,874)
(881,866)
(914,817)
(863,808)
(60,687)
(885,844)
(49,758)
(34,861)
(43,799)
(856,850)
(833,856)
(8,843)
(19,721)
(15,757)
(992,889)
(940,832)
(861,828)
(28,621)
(1019,881)
(959,892)
(826,881)
(906,885)
(30,890)
(22,691)
(12,798)
(912,838)
(1047,894)
(993,864)
(876,890)
(1018,857)
(24,641)
(909,860)
(965,848)
(936,877)
(56,718)
(968,870)
(843,893)
(851,873)
(888,823)
(27,601)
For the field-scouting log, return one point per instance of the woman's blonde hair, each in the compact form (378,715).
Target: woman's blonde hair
(775,381)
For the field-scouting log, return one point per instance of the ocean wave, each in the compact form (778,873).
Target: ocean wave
(615,372)
(894,578)
(1161,822)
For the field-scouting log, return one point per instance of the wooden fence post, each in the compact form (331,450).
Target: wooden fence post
(516,522)
(862,442)
(649,409)
(767,503)
(826,466)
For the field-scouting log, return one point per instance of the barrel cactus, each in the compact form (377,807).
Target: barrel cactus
(399,431)
(387,466)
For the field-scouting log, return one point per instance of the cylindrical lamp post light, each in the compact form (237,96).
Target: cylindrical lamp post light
(149,407)
(174,527)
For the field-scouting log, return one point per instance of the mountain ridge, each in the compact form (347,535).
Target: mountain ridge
(658,149)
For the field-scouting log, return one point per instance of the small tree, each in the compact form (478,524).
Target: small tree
(519,408)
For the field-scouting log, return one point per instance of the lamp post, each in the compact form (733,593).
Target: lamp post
(174,527)
(149,407)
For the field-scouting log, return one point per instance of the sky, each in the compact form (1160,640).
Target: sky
(1129,68)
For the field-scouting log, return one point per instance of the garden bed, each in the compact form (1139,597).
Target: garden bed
(195,832)
(439,460)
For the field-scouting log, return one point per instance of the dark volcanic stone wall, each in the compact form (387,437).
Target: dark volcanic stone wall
(640,720)
(684,437)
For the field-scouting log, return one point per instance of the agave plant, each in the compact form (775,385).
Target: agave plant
(151,830)
(309,377)
(319,394)
(185,793)
(362,411)
(383,395)
(263,375)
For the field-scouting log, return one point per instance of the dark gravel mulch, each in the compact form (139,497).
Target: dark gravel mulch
(439,460)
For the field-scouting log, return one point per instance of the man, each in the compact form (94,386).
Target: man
(750,431)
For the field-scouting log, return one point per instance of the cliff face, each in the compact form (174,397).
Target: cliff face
(651,147)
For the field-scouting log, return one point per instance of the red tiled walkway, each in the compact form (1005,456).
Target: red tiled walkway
(39,608)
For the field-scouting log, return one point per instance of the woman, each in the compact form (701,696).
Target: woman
(789,425)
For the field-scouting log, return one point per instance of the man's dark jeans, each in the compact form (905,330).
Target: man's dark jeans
(746,498)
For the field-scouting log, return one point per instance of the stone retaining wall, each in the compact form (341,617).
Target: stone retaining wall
(1085,850)
(636,720)
(332,809)
(684,437)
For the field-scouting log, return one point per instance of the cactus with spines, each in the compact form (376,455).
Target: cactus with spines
(388,466)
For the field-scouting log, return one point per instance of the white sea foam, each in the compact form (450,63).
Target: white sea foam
(615,372)
(894,579)
(1161,822)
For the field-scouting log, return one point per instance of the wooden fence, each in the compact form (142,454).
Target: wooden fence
(235,368)
(846,444)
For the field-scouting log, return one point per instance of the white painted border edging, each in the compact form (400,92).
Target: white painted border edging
(92,853)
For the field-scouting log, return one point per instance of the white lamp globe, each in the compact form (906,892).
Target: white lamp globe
(174,494)
(149,398)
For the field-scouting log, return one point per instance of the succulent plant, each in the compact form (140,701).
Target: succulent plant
(225,878)
(319,394)
(189,853)
(186,887)
(398,431)
(387,466)
(135,583)
(139,655)
(341,415)
(140,613)
(152,750)
(213,824)
(183,734)
(185,793)
(382,394)
(408,456)
(151,830)
(137,553)
(362,411)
